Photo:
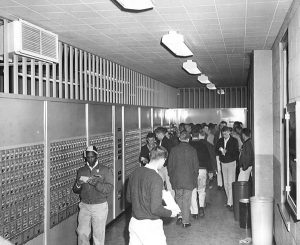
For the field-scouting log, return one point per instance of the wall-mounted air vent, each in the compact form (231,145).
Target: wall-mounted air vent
(32,41)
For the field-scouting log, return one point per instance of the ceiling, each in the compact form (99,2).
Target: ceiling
(220,33)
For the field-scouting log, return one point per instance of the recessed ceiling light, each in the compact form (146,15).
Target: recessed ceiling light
(191,67)
(175,42)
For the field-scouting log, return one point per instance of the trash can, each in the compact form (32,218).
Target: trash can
(240,190)
(245,217)
(262,220)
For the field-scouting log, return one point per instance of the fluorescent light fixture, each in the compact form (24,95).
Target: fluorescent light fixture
(203,79)
(191,67)
(220,91)
(175,42)
(211,86)
(136,4)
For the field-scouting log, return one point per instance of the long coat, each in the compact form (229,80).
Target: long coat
(183,166)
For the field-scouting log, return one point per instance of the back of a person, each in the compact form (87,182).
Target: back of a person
(203,154)
(142,179)
(182,169)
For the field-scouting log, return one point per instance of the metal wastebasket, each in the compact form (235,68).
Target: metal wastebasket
(262,220)
(245,217)
(240,190)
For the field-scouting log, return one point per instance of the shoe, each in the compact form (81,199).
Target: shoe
(220,188)
(186,225)
(179,221)
(195,216)
(230,207)
(201,212)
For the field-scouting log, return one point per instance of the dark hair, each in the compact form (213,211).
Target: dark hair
(246,131)
(223,122)
(225,129)
(158,152)
(184,135)
(195,131)
(160,130)
(150,135)
(237,127)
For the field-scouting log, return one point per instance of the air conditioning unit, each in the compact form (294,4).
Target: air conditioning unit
(32,41)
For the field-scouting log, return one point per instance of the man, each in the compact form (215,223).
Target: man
(201,146)
(228,150)
(246,159)
(162,140)
(94,183)
(145,193)
(183,169)
(145,150)
(217,136)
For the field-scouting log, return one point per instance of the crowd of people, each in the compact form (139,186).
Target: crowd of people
(176,166)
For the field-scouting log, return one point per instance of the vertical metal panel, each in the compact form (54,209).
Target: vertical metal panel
(93,78)
(47,80)
(197,95)
(24,75)
(54,80)
(122,84)
(85,78)
(76,74)
(101,80)
(71,73)
(130,87)
(5,57)
(32,77)
(40,79)
(60,69)
(15,76)
(104,81)
(97,79)
(113,81)
(80,75)
(66,67)
(109,78)
(89,71)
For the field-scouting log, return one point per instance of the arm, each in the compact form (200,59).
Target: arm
(107,185)
(233,149)
(156,206)
(77,185)
(128,191)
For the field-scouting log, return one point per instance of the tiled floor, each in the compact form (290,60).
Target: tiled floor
(217,227)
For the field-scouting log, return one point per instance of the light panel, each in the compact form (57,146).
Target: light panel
(191,67)
(175,42)
(203,79)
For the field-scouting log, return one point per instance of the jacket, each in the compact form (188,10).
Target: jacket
(247,155)
(232,150)
(183,166)
(90,194)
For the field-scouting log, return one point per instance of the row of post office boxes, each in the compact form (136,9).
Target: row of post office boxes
(22,152)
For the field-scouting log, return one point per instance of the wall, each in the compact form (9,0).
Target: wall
(281,234)
(263,122)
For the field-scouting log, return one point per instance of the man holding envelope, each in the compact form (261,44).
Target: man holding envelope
(94,183)
(145,192)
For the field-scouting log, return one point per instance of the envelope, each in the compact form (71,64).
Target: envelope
(170,202)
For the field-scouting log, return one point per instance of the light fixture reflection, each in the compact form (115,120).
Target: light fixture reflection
(203,79)
(136,4)
(211,86)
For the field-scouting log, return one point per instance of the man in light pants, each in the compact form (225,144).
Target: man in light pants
(246,156)
(201,146)
(144,191)
(218,135)
(228,150)
(94,182)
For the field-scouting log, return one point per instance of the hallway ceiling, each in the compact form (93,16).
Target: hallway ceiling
(220,33)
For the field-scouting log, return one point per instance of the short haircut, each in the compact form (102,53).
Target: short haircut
(150,135)
(158,152)
(160,130)
(223,122)
(225,129)
(195,131)
(184,135)
(246,131)
(202,132)
(237,127)
(211,126)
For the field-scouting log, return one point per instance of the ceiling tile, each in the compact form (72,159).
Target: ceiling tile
(261,9)
(231,11)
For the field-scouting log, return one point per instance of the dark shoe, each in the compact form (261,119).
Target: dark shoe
(201,212)
(186,225)
(230,207)
(195,216)
(220,188)
(179,221)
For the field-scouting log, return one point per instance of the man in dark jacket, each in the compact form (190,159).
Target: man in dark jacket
(246,156)
(228,150)
(183,166)
(200,144)
(94,182)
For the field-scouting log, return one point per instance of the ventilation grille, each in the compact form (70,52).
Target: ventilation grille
(38,42)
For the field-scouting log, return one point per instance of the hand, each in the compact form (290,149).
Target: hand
(174,213)
(94,180)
